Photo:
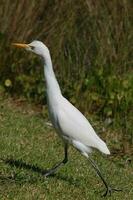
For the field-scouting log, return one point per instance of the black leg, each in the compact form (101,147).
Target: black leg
(108,188)
(58,165)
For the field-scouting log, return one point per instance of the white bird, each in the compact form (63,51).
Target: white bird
(70,124)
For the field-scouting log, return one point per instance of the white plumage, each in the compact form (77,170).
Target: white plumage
(75,128)
(69,122)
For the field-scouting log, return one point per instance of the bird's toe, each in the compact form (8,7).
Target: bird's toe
(109,191)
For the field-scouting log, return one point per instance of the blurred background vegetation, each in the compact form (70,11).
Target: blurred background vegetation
(90,44)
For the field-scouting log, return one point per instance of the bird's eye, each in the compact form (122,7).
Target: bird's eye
(32,47)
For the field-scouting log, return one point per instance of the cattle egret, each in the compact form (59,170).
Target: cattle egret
(69,123)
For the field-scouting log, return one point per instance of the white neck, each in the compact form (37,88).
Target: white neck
(52,85)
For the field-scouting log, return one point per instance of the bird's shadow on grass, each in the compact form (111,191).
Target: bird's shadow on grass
(23,165)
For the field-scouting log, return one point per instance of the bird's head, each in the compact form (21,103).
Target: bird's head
(36,47)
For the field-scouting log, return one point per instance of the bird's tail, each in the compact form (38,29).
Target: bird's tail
(103,147)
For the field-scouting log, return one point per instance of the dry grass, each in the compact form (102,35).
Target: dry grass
(90,44)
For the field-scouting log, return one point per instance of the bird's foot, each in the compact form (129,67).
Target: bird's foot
(49,173)
(109,191)
(53,170)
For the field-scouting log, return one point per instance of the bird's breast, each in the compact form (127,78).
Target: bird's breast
(52,109)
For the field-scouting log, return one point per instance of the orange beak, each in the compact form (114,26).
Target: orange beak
(19,45)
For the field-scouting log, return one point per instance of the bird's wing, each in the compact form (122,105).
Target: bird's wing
(74,126)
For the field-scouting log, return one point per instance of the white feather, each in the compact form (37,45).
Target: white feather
(69,122)
(73,125)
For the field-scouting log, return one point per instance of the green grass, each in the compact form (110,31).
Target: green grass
(28,146)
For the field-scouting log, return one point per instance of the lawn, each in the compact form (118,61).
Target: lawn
(29,145)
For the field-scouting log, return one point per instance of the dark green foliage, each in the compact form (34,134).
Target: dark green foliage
(90,44)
